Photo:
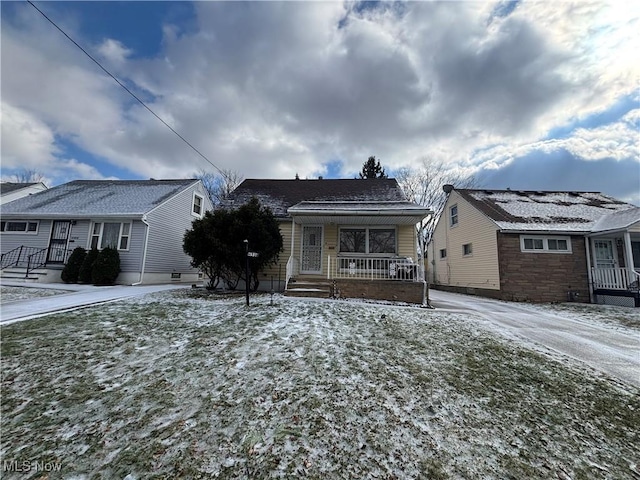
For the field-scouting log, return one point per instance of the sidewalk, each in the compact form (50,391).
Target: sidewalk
(78,296)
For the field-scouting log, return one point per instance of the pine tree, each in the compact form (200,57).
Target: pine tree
(372,169)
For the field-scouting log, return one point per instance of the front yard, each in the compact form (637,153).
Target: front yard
(179,385)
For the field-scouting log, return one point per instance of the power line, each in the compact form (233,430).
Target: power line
(127,90)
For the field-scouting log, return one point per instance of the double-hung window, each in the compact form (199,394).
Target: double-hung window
(196,209)
(453,215)
(111,234)
(368,240)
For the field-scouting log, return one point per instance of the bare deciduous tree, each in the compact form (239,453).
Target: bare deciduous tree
(220,186)
(423,185)
(27,176)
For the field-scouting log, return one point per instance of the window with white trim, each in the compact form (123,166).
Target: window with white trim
(196,208)
(19,226)
(443,253)
(453,215)
(543,244)
(368,240)
(467,249)
(110,234)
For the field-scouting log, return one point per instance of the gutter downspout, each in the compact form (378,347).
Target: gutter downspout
(144,251)
(589,276)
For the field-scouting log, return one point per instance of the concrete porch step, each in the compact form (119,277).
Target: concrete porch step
(308,288)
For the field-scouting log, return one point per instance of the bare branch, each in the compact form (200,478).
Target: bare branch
(219,187)
(423,185)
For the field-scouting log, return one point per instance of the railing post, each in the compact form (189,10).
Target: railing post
(328,267)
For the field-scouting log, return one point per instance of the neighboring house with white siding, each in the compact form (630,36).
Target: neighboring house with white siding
(144,219)
(342,237)
(10,191)
(537,246)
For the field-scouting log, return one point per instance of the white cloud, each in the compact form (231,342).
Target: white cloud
(273,89)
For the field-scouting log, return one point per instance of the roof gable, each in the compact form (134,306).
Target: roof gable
(542,210)
(8,187)
(280,195)
(92,198)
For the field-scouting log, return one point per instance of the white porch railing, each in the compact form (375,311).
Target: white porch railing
(291,270)
(618,278)
(374,268)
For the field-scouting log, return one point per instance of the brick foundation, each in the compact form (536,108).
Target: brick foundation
(410,292)
(542,277)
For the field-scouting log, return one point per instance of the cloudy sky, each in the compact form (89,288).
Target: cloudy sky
(540,95)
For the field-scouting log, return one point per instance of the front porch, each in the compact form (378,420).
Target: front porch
(32,264)
(381,278)
(614,268)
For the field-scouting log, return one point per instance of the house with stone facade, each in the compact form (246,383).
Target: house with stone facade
(342,238)
(537,246)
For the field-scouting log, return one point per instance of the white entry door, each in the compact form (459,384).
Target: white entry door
(311,249)
(605,253)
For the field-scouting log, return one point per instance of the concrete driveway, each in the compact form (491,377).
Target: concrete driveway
(78,296)
(614,351)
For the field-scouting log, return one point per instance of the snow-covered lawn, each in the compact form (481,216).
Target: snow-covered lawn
(13,294)
(182,385)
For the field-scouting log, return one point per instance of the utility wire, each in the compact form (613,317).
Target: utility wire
(128,91)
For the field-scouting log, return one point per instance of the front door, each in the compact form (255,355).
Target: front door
(311,249)
(604,253)
(58,245)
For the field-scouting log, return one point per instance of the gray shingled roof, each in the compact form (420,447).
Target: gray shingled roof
(517,210)
(90,198)
(8,187)
(617,220)
(280,195)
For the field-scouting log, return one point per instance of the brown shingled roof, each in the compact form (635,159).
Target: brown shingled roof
(279,195)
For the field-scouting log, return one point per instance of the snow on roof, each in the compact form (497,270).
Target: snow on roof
(280,195)
(543,211)
(387,207)
(617,220)
(97,197)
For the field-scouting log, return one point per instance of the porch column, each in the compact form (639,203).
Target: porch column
(628,256)
(293,235)
(587,243)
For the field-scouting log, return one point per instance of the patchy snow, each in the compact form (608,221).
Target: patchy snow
(15,294)
(550,211)
(181,384)
(617,220)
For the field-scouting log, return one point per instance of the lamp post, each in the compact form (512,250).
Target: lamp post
(246,287)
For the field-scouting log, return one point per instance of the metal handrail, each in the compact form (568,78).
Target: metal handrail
(39,261)
(11,259)
(6,257)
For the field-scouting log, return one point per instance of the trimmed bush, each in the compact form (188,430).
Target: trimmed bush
(71,270)
(106,268)
(84,275)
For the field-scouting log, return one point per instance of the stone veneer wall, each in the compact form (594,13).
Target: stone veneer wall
(542,277)
(410,292)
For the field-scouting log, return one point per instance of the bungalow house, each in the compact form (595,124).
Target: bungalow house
(10,191)
(349,238)
(144,219)
(537,246)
